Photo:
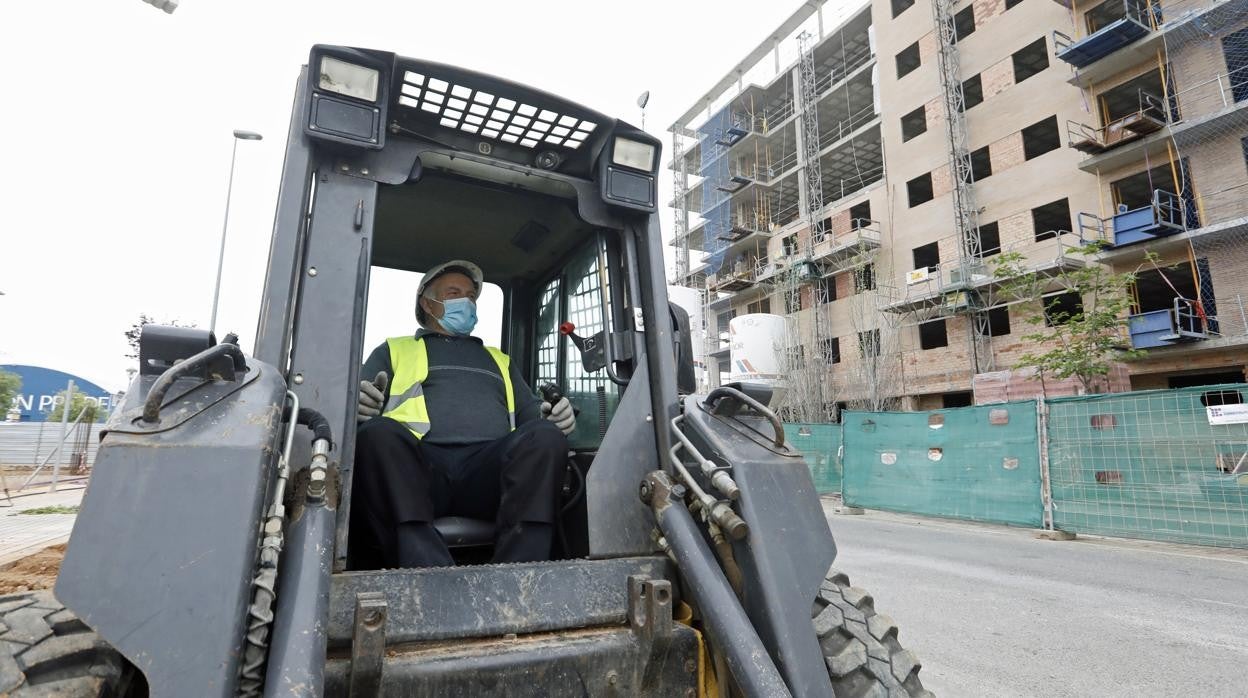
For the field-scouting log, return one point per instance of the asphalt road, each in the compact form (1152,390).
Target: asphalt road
(993,611)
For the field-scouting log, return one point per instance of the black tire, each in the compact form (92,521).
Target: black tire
(860,646)
(47,651)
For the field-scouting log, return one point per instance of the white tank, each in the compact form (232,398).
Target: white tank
(757,341)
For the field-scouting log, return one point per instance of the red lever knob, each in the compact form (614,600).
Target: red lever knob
(567,328)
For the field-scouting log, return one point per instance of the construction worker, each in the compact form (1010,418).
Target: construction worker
(449,428)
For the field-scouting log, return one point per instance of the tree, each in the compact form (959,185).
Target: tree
(10,387)
(81,402)
(1081,340)
(136,331)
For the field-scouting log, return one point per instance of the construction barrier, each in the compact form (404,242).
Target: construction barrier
(819,444)
(977,463)
(1160,464)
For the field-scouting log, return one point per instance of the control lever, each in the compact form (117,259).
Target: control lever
(551,394)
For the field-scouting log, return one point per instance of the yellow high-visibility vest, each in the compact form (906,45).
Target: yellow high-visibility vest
(409,360)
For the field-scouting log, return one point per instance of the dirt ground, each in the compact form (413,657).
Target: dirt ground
(36,571)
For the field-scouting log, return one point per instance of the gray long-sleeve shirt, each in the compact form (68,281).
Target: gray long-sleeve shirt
(464,391)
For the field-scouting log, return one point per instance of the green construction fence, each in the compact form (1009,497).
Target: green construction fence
(819,444)
(1159,464)
(976,463)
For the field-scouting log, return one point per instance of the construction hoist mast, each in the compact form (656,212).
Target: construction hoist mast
(965,213)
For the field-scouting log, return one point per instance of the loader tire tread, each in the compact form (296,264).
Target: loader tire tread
(860,646)
(47,651)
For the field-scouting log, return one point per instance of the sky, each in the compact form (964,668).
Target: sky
(118,139)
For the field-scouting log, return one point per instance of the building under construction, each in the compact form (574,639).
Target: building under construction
(858,171)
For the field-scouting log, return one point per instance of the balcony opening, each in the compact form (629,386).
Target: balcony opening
(1030,60)
(964,22)
(913,124)
(919,189)
(1139,191)
(908,60)
(989,239)
(972,92)
(933,335)
(927,256)
(981,164)
(1214,397)
(1111,11)
(1040,138)
(1051,219)
(1173,305)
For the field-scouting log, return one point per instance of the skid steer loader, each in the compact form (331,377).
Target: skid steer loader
(209,557)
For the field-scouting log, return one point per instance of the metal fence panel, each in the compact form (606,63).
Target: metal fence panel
(1156,464)
(819,443)
(25,444)
(978,463)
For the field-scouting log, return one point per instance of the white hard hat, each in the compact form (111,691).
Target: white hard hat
(461,266)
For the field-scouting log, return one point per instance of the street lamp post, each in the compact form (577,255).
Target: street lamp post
(239,135)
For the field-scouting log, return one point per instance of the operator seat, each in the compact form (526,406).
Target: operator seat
(463,532)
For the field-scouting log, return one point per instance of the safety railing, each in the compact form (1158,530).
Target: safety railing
(1164,215)
(1150,117)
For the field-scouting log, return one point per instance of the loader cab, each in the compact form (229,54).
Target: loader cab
(395,165)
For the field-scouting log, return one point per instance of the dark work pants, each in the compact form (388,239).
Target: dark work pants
(401,484)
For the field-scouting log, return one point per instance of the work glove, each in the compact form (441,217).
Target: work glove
(561,414)
(372,397)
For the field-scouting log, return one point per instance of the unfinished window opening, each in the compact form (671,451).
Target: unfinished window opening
(1040,138)
(964,22)
(998,417)
(864,278)
(998,322)
(908,60)
(1051,219)
(1062,308)
(1011,3)
(869,343)
(1236,62)
(972,92)
(962,398)
(1104,421)
(830,348)
(933,335)
(913,124)
(789,245)
(919,189)
(1030,60)
(763,305)
(981,164)
(900,6)
(935,420)
(860,215)
(1193,380)
(927,256)
(1222,397)
(989,239)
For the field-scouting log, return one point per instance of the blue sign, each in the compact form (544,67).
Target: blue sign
(41,388)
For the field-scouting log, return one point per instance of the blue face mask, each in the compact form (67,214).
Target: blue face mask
(459,315)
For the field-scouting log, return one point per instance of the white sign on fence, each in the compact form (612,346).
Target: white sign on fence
(1227,414)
